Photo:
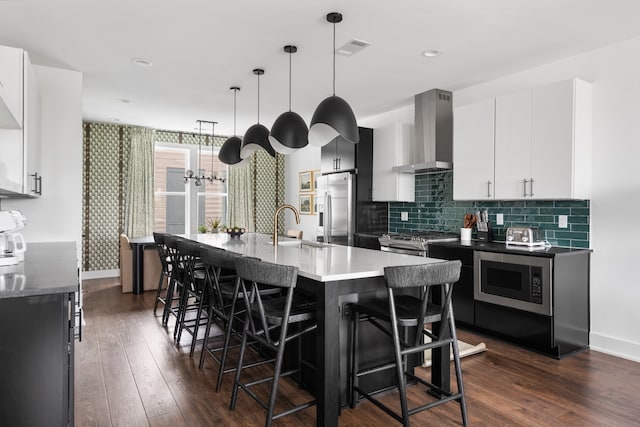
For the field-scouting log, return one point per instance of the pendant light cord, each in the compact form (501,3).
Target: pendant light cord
(213,132)
(258,98)
(199,144)
(334,59)
(290,53)
(235,93)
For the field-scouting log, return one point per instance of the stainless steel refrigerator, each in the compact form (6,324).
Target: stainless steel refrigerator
(336,208)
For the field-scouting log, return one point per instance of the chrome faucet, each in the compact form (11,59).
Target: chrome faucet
(275,221)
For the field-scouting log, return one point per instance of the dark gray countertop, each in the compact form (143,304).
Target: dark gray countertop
(48,268)
(501,247)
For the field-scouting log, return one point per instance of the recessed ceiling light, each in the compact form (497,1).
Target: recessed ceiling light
(431,53)
(113,119)
(142,62)
(124,100)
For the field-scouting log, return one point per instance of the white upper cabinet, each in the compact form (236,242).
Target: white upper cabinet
(541,145)
(561,141)
(11,82)
(512,144)
(473,144)
(392,147)
(20,146)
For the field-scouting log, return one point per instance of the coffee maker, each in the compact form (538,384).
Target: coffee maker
(12,244)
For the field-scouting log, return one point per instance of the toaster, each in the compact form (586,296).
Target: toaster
(525,236)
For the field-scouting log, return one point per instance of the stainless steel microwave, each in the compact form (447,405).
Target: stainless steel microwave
(516,281)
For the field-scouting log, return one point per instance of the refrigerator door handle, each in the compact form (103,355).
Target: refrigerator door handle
(327,218)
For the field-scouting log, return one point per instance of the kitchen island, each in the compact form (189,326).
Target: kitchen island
(337,276)
(37,327)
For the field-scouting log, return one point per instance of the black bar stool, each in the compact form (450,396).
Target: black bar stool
(164,262)
(267,323)
(176,276)
(406,311)
(191,288)
(226,305)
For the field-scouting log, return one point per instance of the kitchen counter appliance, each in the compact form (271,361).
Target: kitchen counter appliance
(415,243)
(515,281)
(12,244)
(524,236)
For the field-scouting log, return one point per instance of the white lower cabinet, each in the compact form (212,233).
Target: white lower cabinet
(539,140)
(392,147)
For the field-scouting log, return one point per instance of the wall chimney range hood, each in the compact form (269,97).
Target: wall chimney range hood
(433,149)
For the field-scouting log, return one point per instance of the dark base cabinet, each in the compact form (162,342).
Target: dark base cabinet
(563,333)
(463,303)
(37,360)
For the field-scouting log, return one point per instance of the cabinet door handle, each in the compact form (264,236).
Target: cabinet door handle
(338,159)
(524,187)
(488,188)
(531,187)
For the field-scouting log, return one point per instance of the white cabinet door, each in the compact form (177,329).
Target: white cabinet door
(391,147)
(31,131)
(561,140)
(10,88)
(513,145)
(473,151)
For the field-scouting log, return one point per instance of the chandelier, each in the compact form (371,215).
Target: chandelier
(199,176)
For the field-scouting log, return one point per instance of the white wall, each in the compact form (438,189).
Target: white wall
(307,158)
(57,214)
(614,72)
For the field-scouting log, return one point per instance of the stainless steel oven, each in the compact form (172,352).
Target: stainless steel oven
(416,243)
(517,281)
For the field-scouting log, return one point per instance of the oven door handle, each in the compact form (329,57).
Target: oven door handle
(408,251)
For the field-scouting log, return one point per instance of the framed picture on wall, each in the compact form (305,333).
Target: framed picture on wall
(306,181)
(305,205)
(315,174)
(314,198)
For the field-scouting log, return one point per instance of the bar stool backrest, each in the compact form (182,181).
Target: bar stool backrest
(162,250)
(282,276)
(408,276)
(218,258)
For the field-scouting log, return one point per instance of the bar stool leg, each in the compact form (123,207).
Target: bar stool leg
(458,367)
(227,336)
(276,376)
(197,324)
(402,382)
(158,292)
(236,381)
(355,362)
(168,302)
(207,330)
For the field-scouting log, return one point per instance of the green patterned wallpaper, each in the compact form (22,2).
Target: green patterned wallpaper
(106,153)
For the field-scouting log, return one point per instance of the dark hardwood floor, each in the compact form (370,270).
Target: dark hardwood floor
(128,372)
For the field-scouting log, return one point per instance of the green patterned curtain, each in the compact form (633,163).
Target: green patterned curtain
(240,196)
(255,191)
(138,201)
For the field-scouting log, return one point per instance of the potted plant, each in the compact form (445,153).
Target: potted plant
(214,223)
(202,228)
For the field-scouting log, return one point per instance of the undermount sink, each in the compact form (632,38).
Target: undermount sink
(301,243)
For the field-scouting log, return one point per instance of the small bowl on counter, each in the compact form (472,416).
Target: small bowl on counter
(235,232)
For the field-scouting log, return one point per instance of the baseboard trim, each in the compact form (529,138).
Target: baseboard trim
(100,274)
(615,346)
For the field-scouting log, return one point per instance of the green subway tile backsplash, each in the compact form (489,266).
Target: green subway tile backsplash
(435,209)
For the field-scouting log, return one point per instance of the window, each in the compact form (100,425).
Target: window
(180,207)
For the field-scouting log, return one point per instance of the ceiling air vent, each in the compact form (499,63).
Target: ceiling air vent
(352,47)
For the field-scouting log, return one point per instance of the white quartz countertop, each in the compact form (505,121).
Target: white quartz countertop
(316,261)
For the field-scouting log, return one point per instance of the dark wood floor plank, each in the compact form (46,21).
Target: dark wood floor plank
(126,354)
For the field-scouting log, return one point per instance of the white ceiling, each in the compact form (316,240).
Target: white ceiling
(201,48)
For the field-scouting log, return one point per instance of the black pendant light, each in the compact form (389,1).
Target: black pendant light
(289,131)
(333,117)
(230,151)
(257,136)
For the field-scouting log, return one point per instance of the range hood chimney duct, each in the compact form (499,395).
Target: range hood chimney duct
(434,133)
